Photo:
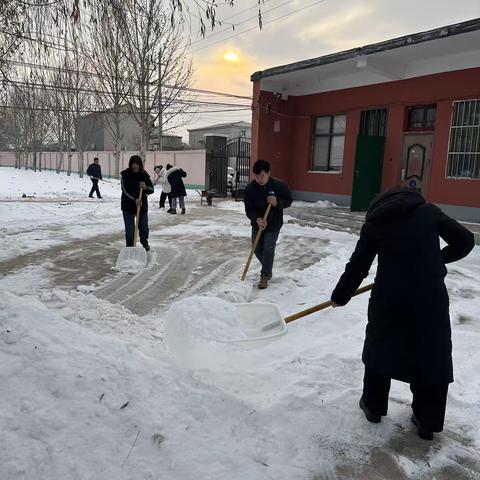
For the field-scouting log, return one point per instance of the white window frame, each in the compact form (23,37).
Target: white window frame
(456,133)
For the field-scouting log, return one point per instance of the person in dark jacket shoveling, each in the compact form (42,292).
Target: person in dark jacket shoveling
(133,179)
(260,192)
(175,176)
(94,171)
(408,336)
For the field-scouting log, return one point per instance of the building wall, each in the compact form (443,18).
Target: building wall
(196,139)
(91,132)
(170,142)
(130,132)
(290,149)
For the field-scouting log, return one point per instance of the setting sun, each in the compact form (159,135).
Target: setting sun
(231,57)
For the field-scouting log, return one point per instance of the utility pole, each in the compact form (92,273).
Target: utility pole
(160,105)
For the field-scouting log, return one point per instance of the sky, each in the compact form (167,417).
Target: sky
(301,29)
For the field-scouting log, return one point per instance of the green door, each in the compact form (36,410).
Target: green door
(367,176)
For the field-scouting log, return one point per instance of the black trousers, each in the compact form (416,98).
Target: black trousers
(129,220)
(94,188)
(265,251)
(428,405)
(163,197)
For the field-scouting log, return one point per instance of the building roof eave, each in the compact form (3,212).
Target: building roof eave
(404,41)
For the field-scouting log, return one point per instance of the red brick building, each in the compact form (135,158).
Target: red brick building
(347,126)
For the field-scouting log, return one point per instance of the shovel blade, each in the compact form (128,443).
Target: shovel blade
(261,323)
(131,259)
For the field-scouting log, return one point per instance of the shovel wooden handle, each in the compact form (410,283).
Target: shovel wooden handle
(255,243)
(137,218)
(323,305)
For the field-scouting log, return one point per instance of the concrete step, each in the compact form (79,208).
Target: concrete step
(325,226)
(333,219)
(340,219)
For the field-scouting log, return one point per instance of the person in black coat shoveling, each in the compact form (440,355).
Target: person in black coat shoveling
(175,177)
(259,193)
(94,171)
(408,336)
(133,179)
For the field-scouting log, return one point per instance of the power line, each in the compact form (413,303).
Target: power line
(123,95)
(257,5)
(82,72)
(266,23)
(85,111)
(218,32)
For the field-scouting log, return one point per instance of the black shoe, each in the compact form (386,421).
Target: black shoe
(100,198)
(173,211)
(370,416)
(183,211)
(423,433)
(146,246)
(90,196)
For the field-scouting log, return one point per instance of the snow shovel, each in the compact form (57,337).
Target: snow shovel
(132,259)
(255,243)
(107,181)
(263,322)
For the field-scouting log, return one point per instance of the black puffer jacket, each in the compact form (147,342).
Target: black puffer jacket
(408,335)
(94,170)
(130,190)
(175,177)
(256,202)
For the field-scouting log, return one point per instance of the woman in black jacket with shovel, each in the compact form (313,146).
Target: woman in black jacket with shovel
(408,336)
(133,179)
(175,177)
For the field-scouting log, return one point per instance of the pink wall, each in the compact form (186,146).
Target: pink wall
(192,161)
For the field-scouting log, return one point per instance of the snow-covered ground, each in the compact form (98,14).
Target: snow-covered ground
(92,389)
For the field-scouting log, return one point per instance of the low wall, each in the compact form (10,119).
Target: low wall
(192,161)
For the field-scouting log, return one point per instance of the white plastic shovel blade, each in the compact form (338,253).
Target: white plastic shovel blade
(261,323)
(131,259)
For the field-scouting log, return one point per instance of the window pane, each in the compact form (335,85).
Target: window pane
(339,122)
(416,118)
(322,125)
(320,154)
(336,153)
(474,114)
(430,121)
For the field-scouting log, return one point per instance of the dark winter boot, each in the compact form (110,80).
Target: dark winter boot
(371,417)
(183,211)
(422,432)
(173,211)
(263,283)
(146,246)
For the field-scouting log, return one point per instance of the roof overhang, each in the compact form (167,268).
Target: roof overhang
(455,47)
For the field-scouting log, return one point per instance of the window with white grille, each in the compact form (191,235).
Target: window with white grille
(464,148)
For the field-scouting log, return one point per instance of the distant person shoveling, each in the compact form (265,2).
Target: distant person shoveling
(136,185)
(94,171)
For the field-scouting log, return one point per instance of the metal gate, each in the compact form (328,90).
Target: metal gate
(227,169)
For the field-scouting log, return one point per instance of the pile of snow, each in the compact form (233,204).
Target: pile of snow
(325,204)
(198,329)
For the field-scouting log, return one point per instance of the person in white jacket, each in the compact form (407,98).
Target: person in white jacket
(162,180)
